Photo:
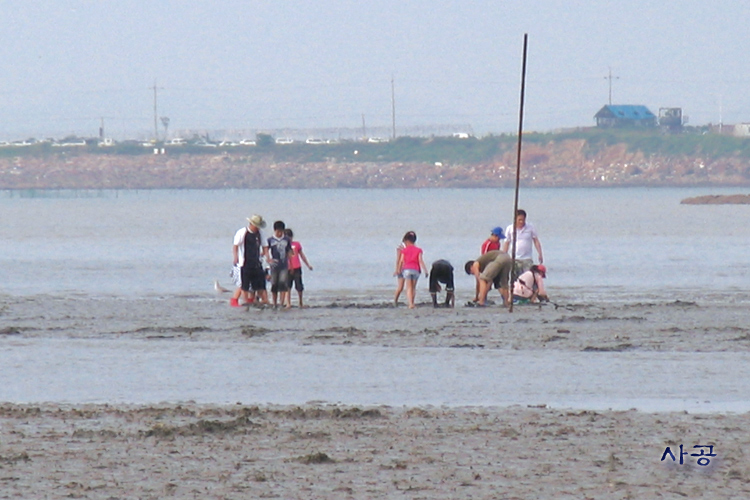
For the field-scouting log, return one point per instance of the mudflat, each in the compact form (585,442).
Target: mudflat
(201,451)
(319,450)
(715,322)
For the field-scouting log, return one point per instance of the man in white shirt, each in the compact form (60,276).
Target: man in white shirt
(526,240)
(247,250)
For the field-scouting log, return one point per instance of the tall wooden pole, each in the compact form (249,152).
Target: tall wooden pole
(518,171)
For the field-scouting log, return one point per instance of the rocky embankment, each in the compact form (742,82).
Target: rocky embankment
(566,163)
(715,199)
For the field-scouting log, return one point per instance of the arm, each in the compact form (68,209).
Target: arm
(475,273)
(475,270)
(506,245)
(424,266)
(235,255)
(399,264)
(538,246)
(304,259)
(541,292)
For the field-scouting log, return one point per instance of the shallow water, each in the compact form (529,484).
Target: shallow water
(606,243)
(130,371)
(110,265)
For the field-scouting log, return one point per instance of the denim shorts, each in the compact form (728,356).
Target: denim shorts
(410,274)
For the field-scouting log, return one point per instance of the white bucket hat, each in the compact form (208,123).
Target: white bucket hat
(257,221)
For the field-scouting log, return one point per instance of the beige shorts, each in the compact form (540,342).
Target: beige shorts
(498,271)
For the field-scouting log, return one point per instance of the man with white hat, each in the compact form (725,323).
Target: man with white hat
(246,254)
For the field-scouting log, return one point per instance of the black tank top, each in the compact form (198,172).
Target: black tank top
(252,249)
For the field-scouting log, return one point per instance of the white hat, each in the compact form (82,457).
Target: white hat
(257,221)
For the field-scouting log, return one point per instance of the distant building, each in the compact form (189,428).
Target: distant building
(625,116)
(742,130)
(672,119)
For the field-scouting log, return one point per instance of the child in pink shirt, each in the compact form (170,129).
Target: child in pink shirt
(409,265)
(295,268)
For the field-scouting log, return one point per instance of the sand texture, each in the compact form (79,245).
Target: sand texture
(717,322)
(327,451)
(189,451)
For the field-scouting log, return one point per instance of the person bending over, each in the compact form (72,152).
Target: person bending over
(491,268)
(442,272)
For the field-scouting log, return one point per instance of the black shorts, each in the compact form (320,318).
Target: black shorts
(279,280)
(253,278)
(441,272)
(295,277)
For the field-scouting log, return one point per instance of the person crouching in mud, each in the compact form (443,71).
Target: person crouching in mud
(529,287)
(442,272)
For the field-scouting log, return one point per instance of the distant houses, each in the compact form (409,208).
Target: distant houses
(625,116)
(638,116)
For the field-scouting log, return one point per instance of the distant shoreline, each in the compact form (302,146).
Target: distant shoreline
(242,171)
(715,199)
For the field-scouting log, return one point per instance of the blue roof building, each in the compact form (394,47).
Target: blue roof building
(625,115)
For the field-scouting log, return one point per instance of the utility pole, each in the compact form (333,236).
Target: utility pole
(610,77)
(156,125)
(165,122)
(393,107)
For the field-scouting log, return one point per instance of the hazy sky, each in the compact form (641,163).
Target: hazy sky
(66,64)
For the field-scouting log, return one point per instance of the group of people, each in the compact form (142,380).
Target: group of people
(277,260)
(494,267)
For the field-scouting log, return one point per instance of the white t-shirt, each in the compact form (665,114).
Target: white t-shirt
(525,243)
(239,241)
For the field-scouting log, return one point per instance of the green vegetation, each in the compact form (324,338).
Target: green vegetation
(264,140)
(403,149)
(695,142)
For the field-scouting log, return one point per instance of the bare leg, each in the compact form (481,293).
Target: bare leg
(410,288)
(484,288)
(399,289)
(505,295)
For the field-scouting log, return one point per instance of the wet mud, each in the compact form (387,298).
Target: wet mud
(191,451)
(718,323)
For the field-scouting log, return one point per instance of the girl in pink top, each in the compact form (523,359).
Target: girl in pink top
(409,264)
(295,268)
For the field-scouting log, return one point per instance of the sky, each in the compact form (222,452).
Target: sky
(69,66)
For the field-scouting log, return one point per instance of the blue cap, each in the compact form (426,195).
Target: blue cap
(498,231)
